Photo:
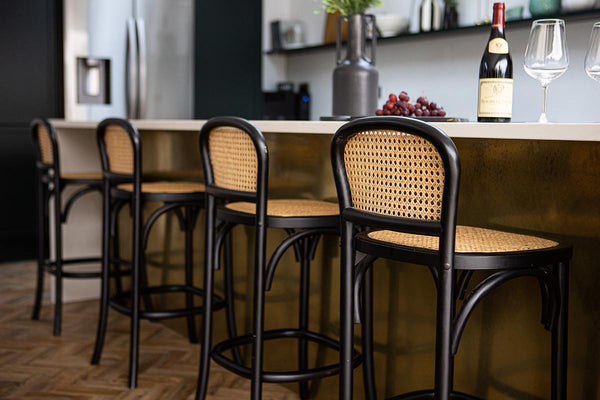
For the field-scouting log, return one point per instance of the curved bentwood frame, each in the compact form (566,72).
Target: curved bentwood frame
(50,183)
(549,266)
(113,201)
(215,193)
(109,180)
(303,235)
(444,229)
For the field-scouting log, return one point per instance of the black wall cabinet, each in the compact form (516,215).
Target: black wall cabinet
(30,86)
(228,58)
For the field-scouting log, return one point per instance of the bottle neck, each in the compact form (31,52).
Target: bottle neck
(498,19)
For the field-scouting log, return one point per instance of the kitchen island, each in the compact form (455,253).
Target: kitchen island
(523,176)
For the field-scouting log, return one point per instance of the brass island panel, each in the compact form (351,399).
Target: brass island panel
(535,185)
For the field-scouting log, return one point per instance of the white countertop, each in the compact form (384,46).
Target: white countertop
(513,130)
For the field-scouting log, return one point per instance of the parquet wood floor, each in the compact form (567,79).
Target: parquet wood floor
(36,365)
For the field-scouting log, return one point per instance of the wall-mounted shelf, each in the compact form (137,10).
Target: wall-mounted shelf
(574,16)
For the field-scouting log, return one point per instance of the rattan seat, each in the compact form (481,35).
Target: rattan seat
(81,176)
(469,239)
(166,191)
(289,208)
(165,187)
(285,213)
(397,181)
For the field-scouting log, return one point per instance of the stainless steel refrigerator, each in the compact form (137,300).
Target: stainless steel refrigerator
(128,58)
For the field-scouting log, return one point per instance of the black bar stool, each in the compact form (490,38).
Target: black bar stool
(50,185)
(401,177)
(121,157)
(235,160)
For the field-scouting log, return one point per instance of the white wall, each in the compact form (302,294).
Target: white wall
(445,68)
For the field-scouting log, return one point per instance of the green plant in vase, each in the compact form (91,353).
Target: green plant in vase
(349,7)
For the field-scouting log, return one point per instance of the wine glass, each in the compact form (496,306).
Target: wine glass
(592,57)
(546,56)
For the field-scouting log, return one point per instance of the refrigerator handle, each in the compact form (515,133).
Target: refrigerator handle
(142,68)
(131,72)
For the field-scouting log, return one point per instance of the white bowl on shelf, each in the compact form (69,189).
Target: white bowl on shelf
(391,24)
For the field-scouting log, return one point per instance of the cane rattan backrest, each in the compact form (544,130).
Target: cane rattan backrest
(233,158)
(119,150)
(395,173)
(45,144)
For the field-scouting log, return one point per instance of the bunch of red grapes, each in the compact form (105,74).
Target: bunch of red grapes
(399,105)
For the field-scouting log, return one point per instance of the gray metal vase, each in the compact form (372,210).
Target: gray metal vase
(355,79)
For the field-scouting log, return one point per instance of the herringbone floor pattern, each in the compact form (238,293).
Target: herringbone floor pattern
(36,365)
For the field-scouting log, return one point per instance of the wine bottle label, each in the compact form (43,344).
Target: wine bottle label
(495,98)
(498,46)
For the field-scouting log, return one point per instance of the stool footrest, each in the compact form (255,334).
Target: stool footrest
(283,376)
(429,394)
(118,302)
(50,267)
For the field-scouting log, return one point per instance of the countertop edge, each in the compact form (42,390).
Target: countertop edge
(513,130)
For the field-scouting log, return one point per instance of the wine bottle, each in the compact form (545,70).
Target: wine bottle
(495,75)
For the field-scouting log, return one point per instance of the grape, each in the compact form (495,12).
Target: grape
(400,105)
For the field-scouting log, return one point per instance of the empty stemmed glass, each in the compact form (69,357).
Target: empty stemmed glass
(592,57)
(546,56)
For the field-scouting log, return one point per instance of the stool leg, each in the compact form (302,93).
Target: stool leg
(259,314)
(346,308)
(189,277)
(116,256)
(559,336)
(303,314)
(58,258)
(229,298)
(367,335)
(443,352)
(205,349)
(104,281)
(135,295)
(143,272)
(143,276)
(42,243)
